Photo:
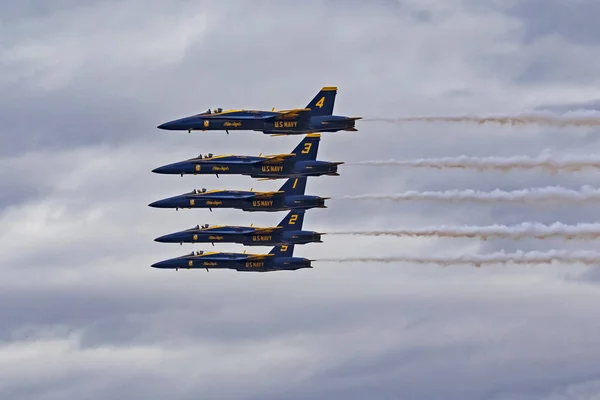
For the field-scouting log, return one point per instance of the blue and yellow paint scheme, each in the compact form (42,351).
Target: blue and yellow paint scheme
(289,197)
(317,116)
(302,161)
(289,231)
(280,258)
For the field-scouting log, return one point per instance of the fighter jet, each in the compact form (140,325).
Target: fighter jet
(280,258)
(317,116)
(289,197)
(300,162)
(289,231)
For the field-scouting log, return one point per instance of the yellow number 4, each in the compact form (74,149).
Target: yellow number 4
(307,147)
(320,102)
(293,219)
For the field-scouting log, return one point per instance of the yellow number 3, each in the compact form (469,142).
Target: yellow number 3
(320,102)
(307,147)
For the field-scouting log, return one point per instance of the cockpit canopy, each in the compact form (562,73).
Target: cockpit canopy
(196,253)
(209,111)
(196,191)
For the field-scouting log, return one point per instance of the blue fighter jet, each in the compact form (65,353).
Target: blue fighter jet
(302,161)
(289,197)
(317,116)
(280,258)
(289,231)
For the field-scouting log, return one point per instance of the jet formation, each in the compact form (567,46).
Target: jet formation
(294,167)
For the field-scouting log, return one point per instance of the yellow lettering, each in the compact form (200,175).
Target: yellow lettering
(190,263)
(307,147)
(295,183)
(286,124)
(262,203)
(261,238)
(254,264)
(293,219)
(197,167)
(220,168)
(214,202)
(192,202)
(215,237)
(320,102)
(195,237)
(210,264)
(272,168)
(232,124)
(284,248)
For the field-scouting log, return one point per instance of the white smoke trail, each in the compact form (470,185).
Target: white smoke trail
(545,161)
(587,118)
(519,257)
(525,230)
(528,196)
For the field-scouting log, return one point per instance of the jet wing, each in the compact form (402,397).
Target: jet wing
(237,117)
(292,114)
(275,158)
(267,230)
(260,195)
(259,256)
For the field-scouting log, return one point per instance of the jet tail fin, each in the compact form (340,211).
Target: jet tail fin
(323,102)
(307,149)
(293,221)
(294,186)
(283,250)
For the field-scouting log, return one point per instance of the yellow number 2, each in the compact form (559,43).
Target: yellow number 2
(293,219)
(320,102)
(307,147)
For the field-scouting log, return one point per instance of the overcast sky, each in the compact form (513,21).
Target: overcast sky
(83,85)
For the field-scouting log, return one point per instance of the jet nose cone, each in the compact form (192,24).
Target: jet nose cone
(158,204)
(175,168)
(166,126)
(160,264)
(169,238)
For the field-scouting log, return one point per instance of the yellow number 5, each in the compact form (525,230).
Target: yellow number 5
(307,147)
(320,102)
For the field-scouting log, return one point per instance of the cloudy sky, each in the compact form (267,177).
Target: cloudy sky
(83,85)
